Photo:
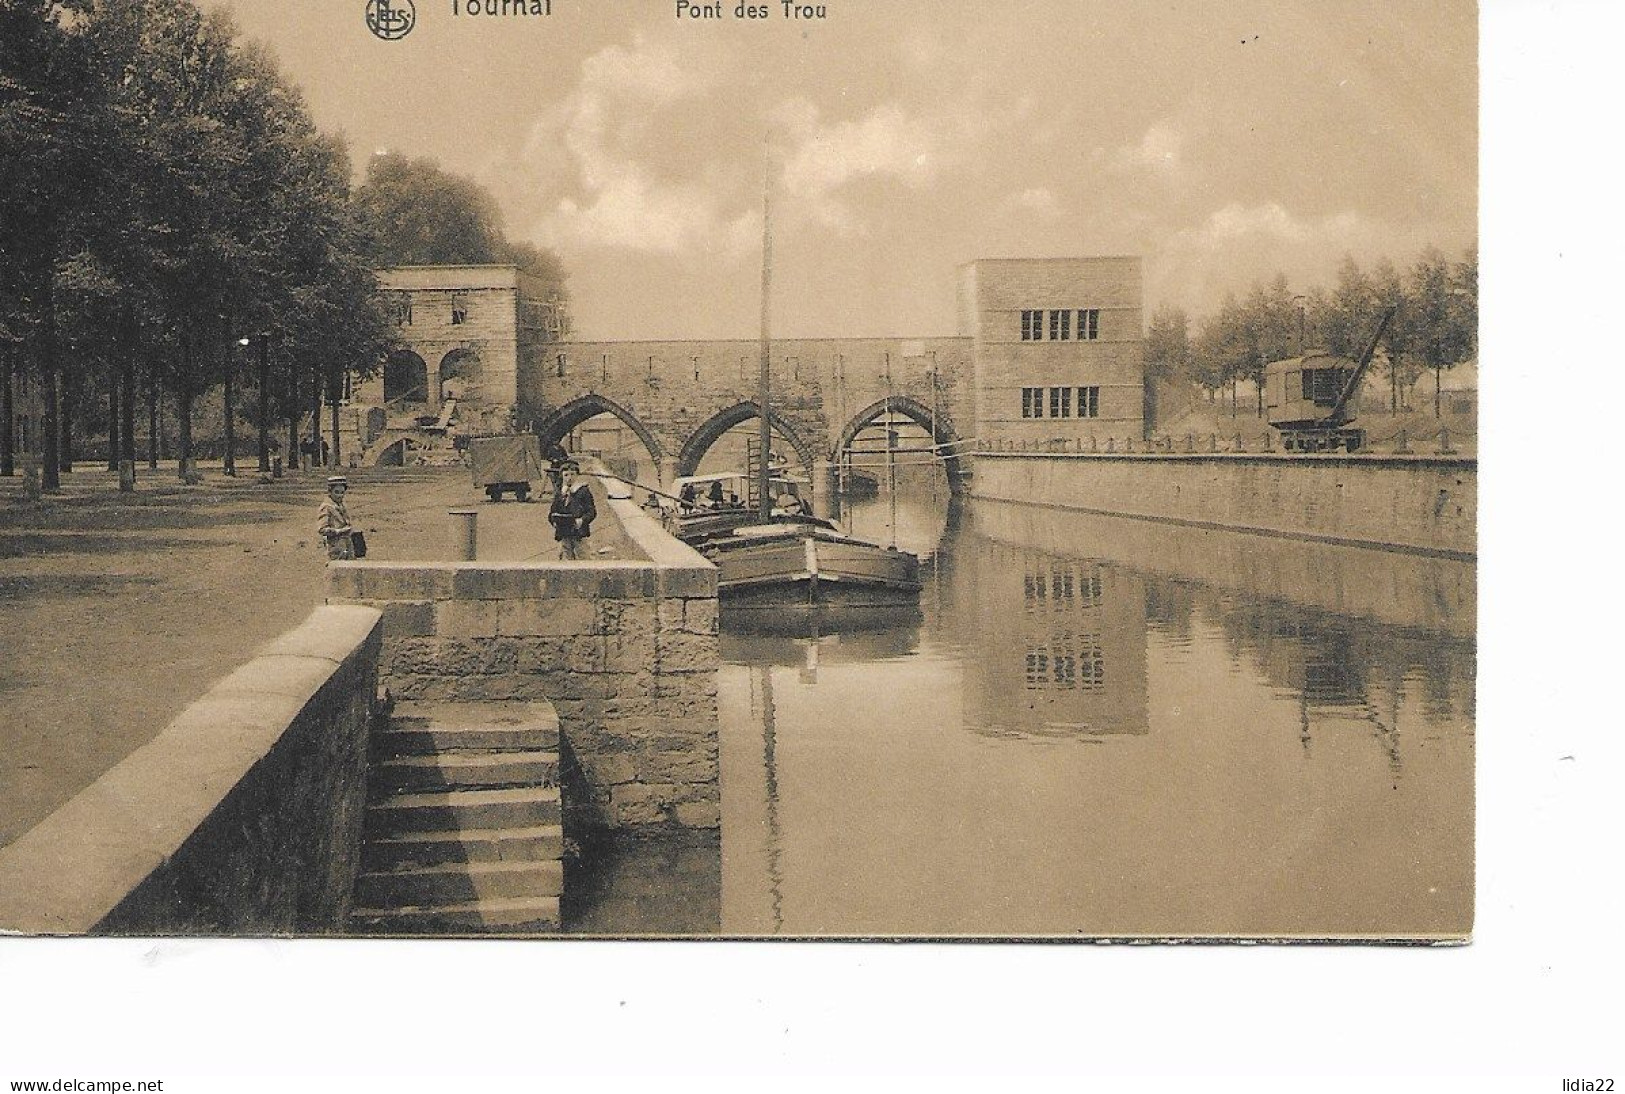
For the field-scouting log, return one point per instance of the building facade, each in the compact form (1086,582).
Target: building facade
(465,334)
(1058,347)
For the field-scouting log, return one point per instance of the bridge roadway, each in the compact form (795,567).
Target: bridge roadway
(680,397)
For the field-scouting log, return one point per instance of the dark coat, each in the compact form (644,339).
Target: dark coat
(573,513)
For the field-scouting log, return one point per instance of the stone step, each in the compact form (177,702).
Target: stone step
(450,770)
(504,915)
(417,728)
(458,883)
(535,844)
(522,807)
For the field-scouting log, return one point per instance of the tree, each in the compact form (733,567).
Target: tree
(1268,331)
(330,315)
(423,216)
(1167,356)
(53,125)
(419,214)
(1350,310)
(1444,312)
(208,205)
(1402,333)
(1218,349)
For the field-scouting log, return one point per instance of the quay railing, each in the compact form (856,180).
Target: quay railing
(1445,441)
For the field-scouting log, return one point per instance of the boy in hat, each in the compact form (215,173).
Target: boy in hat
(573,511)
(334,526)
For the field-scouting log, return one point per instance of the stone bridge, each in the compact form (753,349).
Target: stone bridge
(680,397)
(479,351)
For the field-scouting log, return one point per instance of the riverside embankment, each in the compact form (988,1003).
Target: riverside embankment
(242,815)
(1423,504)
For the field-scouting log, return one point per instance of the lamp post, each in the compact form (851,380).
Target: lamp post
(265,397)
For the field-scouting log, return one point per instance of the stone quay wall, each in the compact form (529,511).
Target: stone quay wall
(1425,504)
(625,650)
(243,817)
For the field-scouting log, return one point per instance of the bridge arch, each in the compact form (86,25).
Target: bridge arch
(694,450)
(557,426)
(938,425)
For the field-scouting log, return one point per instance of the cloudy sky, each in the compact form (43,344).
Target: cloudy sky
(1221,142)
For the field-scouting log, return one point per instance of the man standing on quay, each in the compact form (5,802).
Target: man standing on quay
(573,512)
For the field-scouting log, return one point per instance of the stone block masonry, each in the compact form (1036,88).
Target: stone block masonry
(626,651)
(1425,505)
(243,817)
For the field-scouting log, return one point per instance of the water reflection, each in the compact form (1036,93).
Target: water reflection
(1071,661)
(850,635)
(762,699)
(1250,708)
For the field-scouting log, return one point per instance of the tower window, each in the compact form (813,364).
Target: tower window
(1089,402)
(1032,402)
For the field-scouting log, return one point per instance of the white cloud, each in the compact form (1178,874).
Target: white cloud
(1159,151)
(821,159)
(1038,200)
(1239,244)
(613,197)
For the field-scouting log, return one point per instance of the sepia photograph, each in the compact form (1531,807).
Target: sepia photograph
(723,542)
(739,470)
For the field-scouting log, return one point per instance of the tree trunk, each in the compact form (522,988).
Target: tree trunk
(183,413)
(293,416)
(337,462)
(7,442)
(265,406)
(126,433)
(1438,385)
(50,433)
(65,415)
(152,419)
(230,462)
(112,422)
(316,419)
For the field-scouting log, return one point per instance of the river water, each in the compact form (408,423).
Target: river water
(1098,726)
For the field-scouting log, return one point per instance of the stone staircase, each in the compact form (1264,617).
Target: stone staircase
(464,834)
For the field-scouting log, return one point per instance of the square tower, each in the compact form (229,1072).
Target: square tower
(464,334)
(1057,348)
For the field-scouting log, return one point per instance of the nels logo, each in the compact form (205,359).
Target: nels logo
(391,19)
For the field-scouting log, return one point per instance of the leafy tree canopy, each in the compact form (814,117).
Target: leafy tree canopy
(421,215)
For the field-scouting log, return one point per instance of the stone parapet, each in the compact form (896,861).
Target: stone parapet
(625,650)
(243,817)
